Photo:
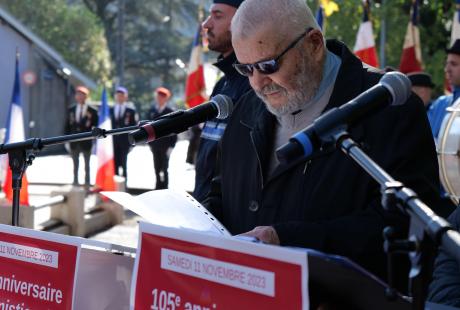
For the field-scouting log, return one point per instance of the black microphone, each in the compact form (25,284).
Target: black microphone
(220,106)
(394,88)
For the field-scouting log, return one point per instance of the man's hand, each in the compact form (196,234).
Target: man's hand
(266,234)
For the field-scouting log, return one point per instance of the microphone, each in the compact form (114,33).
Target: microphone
(220,106)
(394,88)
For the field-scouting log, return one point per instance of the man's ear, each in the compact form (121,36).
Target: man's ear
(316,40)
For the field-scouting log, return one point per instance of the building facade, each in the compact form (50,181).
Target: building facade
(47,80)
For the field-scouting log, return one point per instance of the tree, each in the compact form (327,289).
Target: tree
(73,31)
(156,33)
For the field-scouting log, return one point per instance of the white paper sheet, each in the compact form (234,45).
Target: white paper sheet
(170,208)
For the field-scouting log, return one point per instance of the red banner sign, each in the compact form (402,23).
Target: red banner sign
(37,270)
(180,269)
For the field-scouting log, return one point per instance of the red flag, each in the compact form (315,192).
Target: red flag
(195,88)
(365,44)
(104,150)
(15,133)
(411,58)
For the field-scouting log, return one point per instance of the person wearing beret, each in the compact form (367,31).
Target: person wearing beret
(123,114)
(161,148)
(231,84)
(422,86)
(437,110)
(81,118)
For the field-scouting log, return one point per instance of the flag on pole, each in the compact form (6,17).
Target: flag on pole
(411,58)
(195,87)
(365,44)
(104,150)
(15,133)
(325,9)
(320,17)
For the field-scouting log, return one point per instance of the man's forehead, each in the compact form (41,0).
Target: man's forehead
(453,57)
(262,42)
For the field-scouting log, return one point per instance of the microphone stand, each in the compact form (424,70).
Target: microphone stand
(21,155)
(427,230)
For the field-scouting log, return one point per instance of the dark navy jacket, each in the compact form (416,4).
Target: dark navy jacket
(86,123)
(129,119)
(233,85)
(445,288)
(327,203)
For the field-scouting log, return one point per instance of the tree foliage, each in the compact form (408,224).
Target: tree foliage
(72,30)
(156,33)
(434,24)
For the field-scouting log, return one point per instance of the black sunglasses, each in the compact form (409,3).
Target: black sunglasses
(267,66)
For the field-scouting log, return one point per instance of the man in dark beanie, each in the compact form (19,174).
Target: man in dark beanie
(437,110)
(422,86)
(232,84)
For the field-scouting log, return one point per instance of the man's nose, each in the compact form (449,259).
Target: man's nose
(259,80)
(207,23)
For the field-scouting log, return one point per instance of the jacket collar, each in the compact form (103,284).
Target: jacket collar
(225,64)
(349,82)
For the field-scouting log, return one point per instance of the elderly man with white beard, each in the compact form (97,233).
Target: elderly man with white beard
(327,202)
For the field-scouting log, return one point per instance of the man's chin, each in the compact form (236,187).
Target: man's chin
(276,108)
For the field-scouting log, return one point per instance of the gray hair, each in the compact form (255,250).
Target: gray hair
(286,16)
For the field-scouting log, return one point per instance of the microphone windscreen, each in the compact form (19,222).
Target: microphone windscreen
(224,105)
(399,85)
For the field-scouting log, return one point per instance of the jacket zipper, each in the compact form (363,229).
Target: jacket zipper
(307,164)
(258,160)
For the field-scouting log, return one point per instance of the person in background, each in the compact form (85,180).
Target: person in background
(231,84)
(437,110)
(123,114)
(161,148)
(422,86)
(81,118)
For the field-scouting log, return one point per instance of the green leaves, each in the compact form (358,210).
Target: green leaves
(73,31)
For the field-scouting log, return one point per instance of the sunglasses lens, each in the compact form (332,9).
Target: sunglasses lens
(264,67)
(267,67)
(243,69)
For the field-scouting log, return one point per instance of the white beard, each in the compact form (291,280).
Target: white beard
(306,83)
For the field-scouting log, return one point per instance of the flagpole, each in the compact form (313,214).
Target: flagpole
(383,35)
(17,159)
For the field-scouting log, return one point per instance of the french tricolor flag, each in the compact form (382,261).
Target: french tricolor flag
(195,87)
(411,58)
(320,17)
(15,133)
(365,44)
(104,150)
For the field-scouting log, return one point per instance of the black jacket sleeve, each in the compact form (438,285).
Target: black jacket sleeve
(445,286)
(404,147)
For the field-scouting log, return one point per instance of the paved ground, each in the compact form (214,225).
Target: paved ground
(56,171)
